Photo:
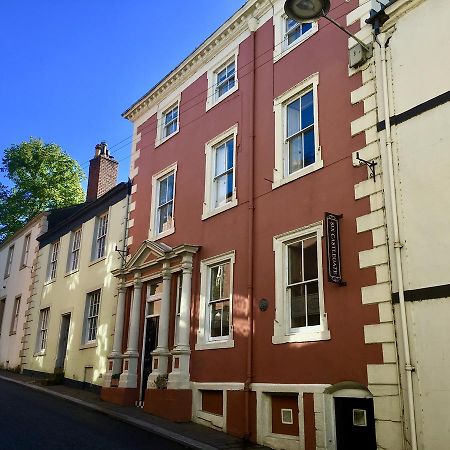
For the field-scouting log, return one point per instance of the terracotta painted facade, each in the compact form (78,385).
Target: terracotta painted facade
(243,383)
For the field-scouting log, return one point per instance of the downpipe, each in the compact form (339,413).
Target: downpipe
(383,43)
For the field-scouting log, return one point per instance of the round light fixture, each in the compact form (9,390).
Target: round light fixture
(306,10)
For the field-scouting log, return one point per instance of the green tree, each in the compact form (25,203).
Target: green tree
(42,177)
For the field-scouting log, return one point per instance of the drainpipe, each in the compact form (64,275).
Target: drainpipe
(252,24)
(409,368)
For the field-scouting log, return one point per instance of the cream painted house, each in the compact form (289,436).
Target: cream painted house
(17,258)
(71,315)
(406,97)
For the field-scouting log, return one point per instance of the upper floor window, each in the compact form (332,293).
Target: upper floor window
(2,312)
(25,251)
(9,261)
(43,330)
(53,263)
(101,232)
(220,176)
(216,300)
(91,317)
(163,195)
(300,314)
(297,150)
(74,255)
(170,124)
(295,30)
(222,81)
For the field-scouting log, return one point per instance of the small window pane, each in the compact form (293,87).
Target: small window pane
(220,319)
(309,148)
(312,290)
(230,156)
(307,109)
(295,154)
(295,263)
(298,309)
(310,258)
(306,27)
(293,117)
(220,160)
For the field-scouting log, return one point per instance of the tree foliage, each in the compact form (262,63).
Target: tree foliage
(42,177)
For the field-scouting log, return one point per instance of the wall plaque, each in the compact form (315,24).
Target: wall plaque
(333,248)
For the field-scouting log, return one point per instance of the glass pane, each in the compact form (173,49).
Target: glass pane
(312,290)
(155,288)
(309,147)
(295,154)
(170,187)
(221,75)
(230,156)
(310,258)
(220,317)
(293,117)
(293,35)
(298,312)
(221,190)
(162,191)
(220,160)
(216,283)
(154,308)
(165,217)
(226,280)
(295,263)
(226,318)
(307,109)
(306,27)
(231,83)
(290,23)
(229,177)
(230,69)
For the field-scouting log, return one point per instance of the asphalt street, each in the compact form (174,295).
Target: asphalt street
(33,420)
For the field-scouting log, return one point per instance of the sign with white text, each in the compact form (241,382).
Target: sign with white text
(333,248)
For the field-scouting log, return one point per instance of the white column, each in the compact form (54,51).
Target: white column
(179,377)
(160,356)
(128,379)
(115,357)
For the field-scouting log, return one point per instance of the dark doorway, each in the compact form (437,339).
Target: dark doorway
(63,339)
(150,343)
(355,423)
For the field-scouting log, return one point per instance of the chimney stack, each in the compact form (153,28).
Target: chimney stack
(103,171)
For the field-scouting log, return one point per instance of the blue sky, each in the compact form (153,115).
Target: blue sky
(69,69)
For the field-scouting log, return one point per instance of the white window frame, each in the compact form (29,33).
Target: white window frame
(2,312)
(74,252)
(15,315)
(283,333)
(164,108)
(280,175)
(281,47)
(9,261)
(91,312)
(25,250)
(208,205)
(42,340)
(153,232)
(204,341)
(212,98)
(53,261)
(100,236)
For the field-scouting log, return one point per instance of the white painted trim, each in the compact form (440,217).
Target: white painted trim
(274,387)
(279,106)
(281,48)
(208,210)
(153,226)
(282,332)
(166,105)
(211,74)
(203,340)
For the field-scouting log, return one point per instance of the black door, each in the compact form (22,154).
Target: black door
(151,340)
(64,336)
(355,424)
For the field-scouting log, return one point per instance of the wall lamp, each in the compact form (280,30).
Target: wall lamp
(313,10)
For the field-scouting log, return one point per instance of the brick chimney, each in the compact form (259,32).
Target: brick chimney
(103,170)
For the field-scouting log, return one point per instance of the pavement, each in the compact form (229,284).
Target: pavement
(190,434)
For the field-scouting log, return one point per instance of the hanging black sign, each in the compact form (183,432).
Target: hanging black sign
(333,248)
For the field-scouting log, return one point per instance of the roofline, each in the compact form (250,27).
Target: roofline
(237,22)
(34,219)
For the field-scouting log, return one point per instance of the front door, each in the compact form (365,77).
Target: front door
(63,338)
(355,423)
(150,343)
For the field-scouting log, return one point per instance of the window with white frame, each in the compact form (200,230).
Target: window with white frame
(53,263)
(216,301)
(25,251)
(15,315)
(74,254)
(100,236)
(163,203)
(170,121)
(2,312)
(43,330)
(300,314)
(91,317)
(297,150)
(9,261)
(288,34)
(220,176)
(222,81)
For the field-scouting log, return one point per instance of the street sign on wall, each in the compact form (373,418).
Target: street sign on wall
(333,248)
